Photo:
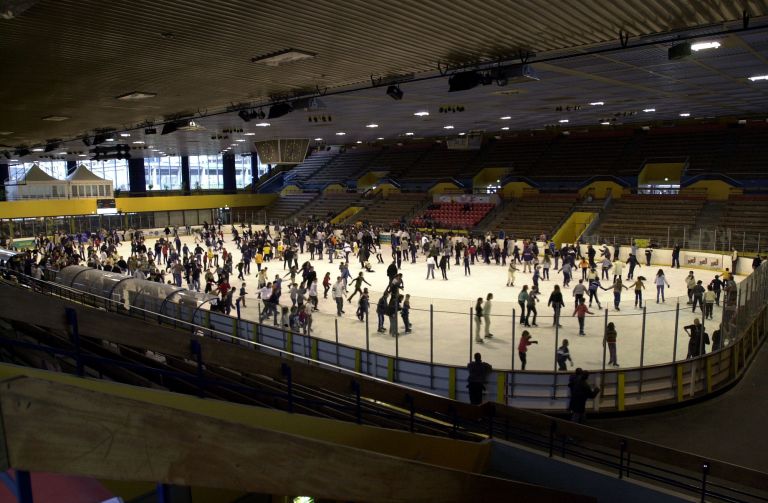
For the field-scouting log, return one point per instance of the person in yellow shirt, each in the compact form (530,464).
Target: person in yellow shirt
(280,250)
(259,259)
(267,250)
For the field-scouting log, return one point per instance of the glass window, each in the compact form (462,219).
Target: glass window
(163,173)
(242,171)
(205,172)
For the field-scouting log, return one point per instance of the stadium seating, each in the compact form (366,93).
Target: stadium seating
(532,216)
(654,217)
(285,206)
(437,164)
(397,159)
(453,215)
(342,167)
(311,165)
(329,205)
(746,214)
(389,210)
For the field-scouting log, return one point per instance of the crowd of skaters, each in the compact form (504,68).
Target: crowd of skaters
(288,291)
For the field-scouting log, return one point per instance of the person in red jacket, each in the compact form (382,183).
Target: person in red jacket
(580,312)
(522,347)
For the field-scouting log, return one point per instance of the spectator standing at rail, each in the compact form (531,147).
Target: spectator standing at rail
(660,282)
(697,339)
(676,256)
(556,303)
(648,253)
(609,340)
(478,374)
(522,348)
(581,391)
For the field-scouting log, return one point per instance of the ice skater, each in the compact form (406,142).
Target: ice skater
(660,281)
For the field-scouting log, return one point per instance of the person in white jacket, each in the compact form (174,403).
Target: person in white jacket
(660,282)
(431,266)
(338,295)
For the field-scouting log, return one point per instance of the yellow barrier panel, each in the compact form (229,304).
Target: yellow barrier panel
(391,369)
(501,387)
(679,383)
(620,382)
(289,341)
(573,227)
(206,319)
(313,349)
(358,364)
(452,383)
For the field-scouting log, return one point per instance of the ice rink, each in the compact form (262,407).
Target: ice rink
(452,301)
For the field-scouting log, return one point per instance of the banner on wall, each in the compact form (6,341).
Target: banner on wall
(466,198)
(705,261)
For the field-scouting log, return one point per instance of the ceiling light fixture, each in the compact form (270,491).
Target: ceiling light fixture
(372,125)
(340,133)
(6,133)
(62,153)
(249,134)
(55,118)
(563,121)
(82,155)
(685,114)
(241,140)
(647,110)
(597,103)
(110,139)
(755,78)
(380,138)
(136,95)
(505,128)
(318,139)
(462,134)
(701,46)
(409,133)
(281,57)
(38,149)
(448,127)
(605,123)
(138,142)
(263,124)
(421,114)
(395,93)
(125,135)
(359,141)
(506,117)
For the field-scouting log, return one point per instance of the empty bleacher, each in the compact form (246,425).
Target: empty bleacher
(313,163)
(654,217)
(389,210)
(437,164)
(349,164)
(397,159)
(700,146)
(453,215)
(746,214)
(521,153)
(582,155)
(533,215)
(285,206)
(749,157)
(329,205)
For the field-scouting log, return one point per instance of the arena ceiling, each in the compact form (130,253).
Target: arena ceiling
(73,58)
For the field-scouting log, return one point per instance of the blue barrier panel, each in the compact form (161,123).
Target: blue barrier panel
(414,374)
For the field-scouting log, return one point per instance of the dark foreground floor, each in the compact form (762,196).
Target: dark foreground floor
(732,427)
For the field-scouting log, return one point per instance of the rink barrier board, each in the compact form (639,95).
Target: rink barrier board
(642,387)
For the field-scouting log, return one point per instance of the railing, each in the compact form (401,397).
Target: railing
(631,458)
(624,389)
(722,239)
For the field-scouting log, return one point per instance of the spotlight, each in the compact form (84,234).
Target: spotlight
(463,81)
(395,92)
(150,130)
(170,127)
(279,110)
(679,51)
(245,115)
(52,145)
